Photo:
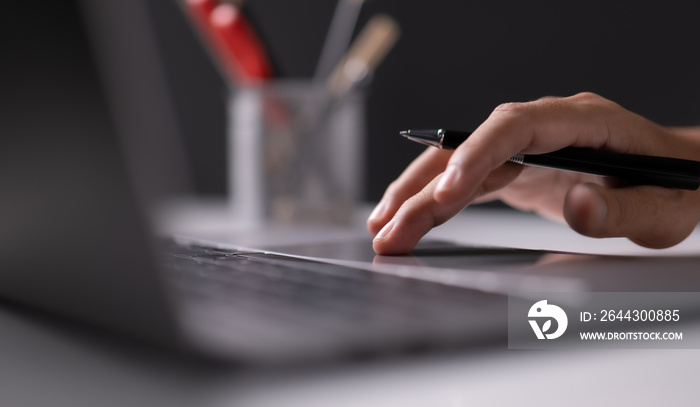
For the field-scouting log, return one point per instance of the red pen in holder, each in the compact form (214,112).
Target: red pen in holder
(245,54)
(232,40)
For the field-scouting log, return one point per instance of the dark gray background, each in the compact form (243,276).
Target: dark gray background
(454,62)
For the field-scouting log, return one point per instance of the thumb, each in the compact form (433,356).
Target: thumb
(650,216)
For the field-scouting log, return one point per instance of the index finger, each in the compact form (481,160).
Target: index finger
(414,178)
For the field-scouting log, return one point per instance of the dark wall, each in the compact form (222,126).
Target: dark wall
(454,63)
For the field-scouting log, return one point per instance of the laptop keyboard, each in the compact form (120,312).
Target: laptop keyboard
(357,304)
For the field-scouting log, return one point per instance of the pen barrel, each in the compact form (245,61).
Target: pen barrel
(646,170)
(452,139)
(636,169)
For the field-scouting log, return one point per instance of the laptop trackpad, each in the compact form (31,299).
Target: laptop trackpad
(511,269)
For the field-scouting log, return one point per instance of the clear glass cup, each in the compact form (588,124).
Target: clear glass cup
(296,154)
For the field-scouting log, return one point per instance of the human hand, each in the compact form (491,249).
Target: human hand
(440,183)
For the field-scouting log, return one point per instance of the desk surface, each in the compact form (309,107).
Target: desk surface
(45,362)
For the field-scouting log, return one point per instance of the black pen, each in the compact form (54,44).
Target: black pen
(636,169)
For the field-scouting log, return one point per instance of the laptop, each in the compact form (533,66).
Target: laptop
(90,142)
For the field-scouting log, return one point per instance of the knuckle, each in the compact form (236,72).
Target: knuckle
(392,188)
(397,191)
(510,107)
(587,96)
(594,99)
(549,99)
(416,211)
(514,113)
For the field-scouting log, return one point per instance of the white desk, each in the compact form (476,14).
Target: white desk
(45,365)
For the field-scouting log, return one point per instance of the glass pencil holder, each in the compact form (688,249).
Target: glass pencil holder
(295,153)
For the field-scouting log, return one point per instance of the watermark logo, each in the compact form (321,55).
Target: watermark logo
(543,310)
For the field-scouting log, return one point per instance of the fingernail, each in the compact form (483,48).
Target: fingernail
(448,179)
(385,230)
(378,211)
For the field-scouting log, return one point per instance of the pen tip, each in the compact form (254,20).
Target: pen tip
(405,133)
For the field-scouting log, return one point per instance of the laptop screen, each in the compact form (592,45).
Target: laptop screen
(73,238)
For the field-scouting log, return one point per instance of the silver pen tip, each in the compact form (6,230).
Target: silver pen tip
(427,137)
